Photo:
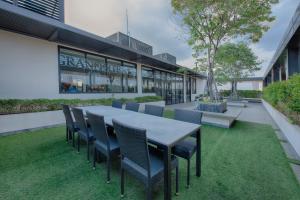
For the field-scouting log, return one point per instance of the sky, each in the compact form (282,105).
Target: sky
(154,23)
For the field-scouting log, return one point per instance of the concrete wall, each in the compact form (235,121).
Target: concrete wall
(244,85)
(29,70)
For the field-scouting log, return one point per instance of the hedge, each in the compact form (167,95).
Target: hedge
(13,106)
(243,93)
(285,96)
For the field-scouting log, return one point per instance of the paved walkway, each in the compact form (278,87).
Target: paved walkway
(10,124)
(254,112)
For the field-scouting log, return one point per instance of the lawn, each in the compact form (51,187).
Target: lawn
(245,162)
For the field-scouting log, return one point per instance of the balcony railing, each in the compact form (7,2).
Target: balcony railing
(50,8)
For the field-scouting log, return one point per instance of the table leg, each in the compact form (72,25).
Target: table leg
(198,154)
(167,173)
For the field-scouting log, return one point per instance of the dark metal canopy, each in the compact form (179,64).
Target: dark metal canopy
(15,19)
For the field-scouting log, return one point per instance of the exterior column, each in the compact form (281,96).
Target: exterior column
(280,68)
(139,79)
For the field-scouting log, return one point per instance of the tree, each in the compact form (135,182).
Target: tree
(213,22)
(235,62)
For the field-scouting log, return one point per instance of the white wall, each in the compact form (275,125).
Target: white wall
(243,85)
(29,70)
(200,86)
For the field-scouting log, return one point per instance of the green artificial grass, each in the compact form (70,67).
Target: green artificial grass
(244,162)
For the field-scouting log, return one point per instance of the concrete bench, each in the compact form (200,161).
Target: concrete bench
(224,120)
(242,103)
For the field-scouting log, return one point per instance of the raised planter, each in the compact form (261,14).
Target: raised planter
(291,131)
(219,107)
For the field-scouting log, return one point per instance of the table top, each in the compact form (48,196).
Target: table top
(159,129)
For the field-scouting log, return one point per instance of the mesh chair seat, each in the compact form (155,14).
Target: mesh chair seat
(185,148)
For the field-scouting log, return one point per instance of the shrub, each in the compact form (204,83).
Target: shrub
(285,96)
(243,93)
(11,106)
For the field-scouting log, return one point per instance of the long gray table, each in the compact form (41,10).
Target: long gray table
(162,131)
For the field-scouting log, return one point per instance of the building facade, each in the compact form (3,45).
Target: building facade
(286,60)
(42,57)
(251,83)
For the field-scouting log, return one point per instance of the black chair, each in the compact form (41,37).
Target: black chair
(84,132)
(186,148)
(71,127)
(106,144)
(117,104)
(140,160)
(154,110)
(132,106)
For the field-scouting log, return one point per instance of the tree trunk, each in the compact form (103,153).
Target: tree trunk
(210,84)
(234,94)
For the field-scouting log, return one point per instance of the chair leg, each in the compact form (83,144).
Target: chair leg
(108,169)
(94,161)
(78,143)
(88,150)
(149,192)
(188,173)
(70,134)
(67,134)
(177,177)
(73,139)
(122,182)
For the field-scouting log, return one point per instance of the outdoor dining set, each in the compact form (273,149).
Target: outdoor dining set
(147,144)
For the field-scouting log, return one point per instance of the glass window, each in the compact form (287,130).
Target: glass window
(157,83)
(74,81)
(83,72)
(114,75)
(129,78)
(74,77)
(148,80)
(71,59)
(99,79)
(194,89)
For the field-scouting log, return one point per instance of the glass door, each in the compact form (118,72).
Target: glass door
(188,89)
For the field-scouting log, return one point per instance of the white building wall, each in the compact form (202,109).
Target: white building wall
(243,85)
(29,70)
(200,87)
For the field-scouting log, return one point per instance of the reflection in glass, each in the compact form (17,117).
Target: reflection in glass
(148,80)
(82,72)
(74,82)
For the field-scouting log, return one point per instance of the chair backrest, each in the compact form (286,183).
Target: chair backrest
(132,106)
(68,116)
(154,110)
(190,116)
(98,128)
(133,144)
(117,104)
(80,120)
